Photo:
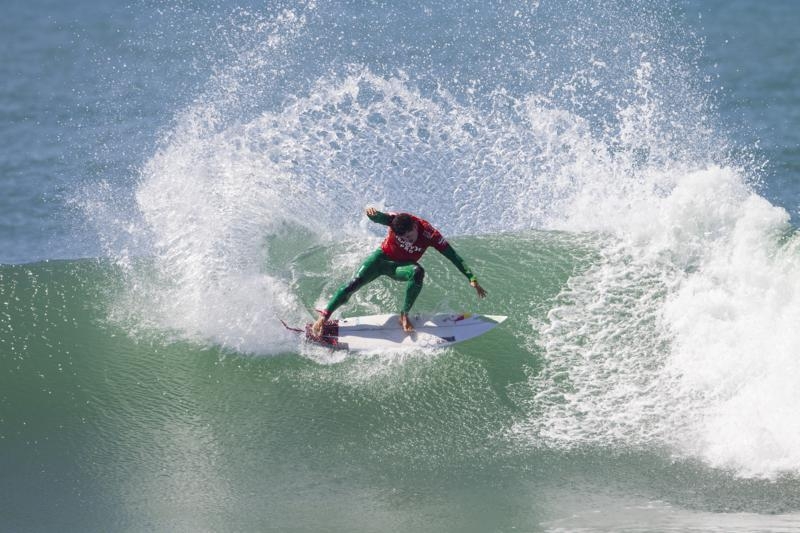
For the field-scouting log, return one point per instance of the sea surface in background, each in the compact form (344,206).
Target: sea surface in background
(176,177)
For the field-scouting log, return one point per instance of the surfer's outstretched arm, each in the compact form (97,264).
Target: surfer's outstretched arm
(450,253)
(379,217)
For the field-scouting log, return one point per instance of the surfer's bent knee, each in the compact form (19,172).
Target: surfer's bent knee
(419,274)
(354,285)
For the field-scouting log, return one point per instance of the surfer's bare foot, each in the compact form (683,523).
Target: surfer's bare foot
(406,323)
(316,328)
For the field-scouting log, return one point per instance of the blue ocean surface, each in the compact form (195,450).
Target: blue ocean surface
(176,177)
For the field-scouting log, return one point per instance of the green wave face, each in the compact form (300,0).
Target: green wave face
(112,420)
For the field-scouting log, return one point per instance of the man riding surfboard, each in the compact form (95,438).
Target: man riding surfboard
(407,239)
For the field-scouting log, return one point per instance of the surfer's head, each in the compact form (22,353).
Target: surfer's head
(402,224)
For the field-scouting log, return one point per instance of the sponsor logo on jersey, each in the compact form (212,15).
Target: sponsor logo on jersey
(407,245)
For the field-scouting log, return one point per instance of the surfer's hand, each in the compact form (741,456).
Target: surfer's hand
(480,290)
(371,212)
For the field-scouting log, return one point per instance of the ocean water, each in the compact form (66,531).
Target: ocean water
(624,177)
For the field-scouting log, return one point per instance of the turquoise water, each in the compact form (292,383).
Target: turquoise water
(622,177)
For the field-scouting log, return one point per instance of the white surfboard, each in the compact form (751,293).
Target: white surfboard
(383,332)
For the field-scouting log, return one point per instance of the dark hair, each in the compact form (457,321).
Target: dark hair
(402,223)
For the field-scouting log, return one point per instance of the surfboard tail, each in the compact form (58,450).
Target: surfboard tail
(329,336)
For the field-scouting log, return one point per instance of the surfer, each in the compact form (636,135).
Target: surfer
(406,241)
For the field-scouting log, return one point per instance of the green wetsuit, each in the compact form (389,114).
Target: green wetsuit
(397,259)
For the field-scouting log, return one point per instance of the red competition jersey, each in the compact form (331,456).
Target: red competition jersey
(398,249)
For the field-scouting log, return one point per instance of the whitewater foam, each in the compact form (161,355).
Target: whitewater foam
(682,335)
(736,343)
